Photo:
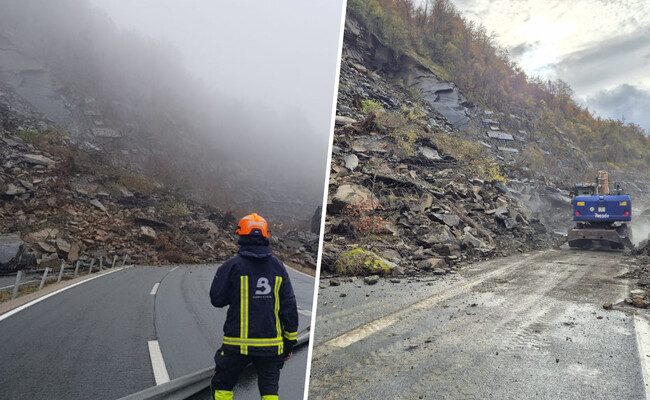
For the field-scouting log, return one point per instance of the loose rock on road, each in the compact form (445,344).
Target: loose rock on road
(528,326)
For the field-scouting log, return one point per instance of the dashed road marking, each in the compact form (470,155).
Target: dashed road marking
(642,329)
(173,269)
(154,289)
(157,363)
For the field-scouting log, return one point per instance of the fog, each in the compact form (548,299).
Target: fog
(235,98)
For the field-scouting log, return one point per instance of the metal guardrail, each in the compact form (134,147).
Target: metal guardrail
(44,279)
(189,385)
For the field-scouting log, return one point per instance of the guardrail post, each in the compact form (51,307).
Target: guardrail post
(126,256)
(47,269)
(90,270)
(114,261)
(19,277)
(101,263)
(61,271)
(76,268)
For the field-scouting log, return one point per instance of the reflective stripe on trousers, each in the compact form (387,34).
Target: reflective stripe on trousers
(224,395)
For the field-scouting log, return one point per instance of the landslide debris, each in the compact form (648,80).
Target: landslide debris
(409,187)
(59,202)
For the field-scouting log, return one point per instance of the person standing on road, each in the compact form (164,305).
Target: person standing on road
(262,320)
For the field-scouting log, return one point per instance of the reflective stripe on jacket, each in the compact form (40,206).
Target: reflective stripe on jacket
(262,309)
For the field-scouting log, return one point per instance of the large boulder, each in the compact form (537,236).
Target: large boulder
(350,194)
(37,159)
(13,253)
(341,120)
(437,233)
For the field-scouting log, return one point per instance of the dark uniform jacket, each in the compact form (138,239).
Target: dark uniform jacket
(263,312)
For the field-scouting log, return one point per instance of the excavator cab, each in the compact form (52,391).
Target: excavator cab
(584,189)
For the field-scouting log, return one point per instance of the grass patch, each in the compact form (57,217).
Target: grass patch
(474,154)
(358,261)
(176,208)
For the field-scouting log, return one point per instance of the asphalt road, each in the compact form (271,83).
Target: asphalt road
(525,327)
(91,341)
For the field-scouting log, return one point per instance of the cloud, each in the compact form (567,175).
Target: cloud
(523,48)
(601,64)
(625,102)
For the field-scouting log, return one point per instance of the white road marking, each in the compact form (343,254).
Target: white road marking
(31,303)
(642,329)
(154,289)
(157,363)
(379,324)
(174,268)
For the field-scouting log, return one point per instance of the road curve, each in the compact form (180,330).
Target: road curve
(530,326)
(92,341)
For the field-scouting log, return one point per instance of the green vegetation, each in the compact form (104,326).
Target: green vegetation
(176,208)
(358,261)
(474,154)
(28,135)
(438,37)
(404,128)
(370,106)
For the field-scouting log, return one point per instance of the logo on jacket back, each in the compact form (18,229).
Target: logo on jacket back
(263,287)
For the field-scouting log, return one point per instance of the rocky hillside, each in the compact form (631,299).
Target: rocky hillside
(59,201)
(424,179)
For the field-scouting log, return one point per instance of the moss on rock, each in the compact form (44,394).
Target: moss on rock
(358,261)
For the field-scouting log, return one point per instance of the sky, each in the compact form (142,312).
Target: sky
(600,47)
(281,54)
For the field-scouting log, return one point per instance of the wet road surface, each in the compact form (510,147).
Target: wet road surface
(529,326)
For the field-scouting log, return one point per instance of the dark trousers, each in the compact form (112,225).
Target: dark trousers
(229,365)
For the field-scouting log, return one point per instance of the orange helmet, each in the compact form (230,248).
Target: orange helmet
(253,223)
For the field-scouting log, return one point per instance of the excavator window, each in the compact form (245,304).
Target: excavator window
(585,190)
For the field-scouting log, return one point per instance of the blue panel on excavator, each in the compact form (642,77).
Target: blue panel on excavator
(602,208)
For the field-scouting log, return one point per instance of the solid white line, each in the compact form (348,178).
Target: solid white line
(157,363)
(174,268)
(154,289)
(31,303)
(642,329)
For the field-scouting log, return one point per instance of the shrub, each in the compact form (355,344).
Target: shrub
(370,106)
(473,154)
(28,135)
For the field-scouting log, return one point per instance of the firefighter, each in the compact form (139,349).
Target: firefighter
(262,320)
